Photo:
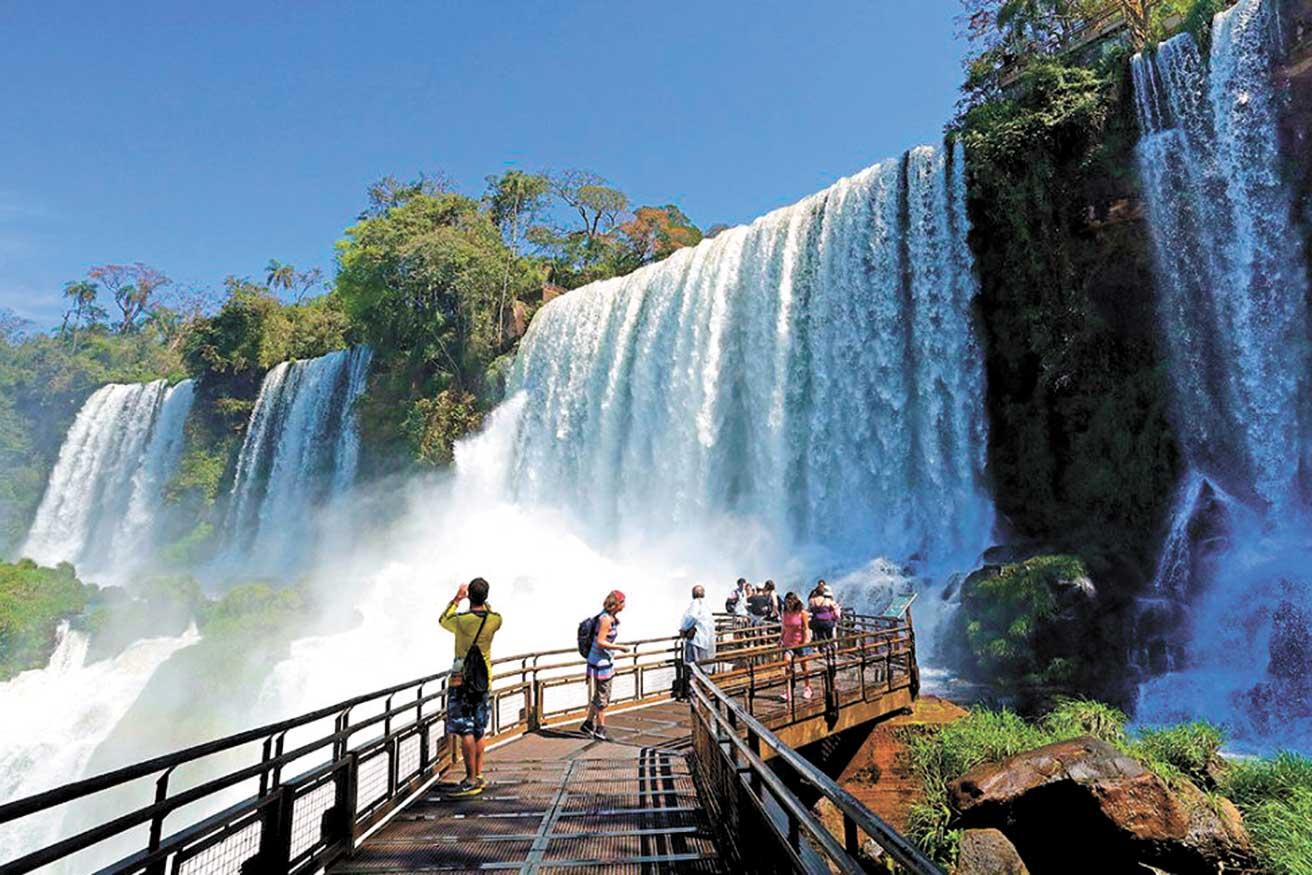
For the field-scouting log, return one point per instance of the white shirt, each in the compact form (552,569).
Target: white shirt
(699,617)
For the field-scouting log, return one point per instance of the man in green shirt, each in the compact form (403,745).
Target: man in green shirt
(467,708)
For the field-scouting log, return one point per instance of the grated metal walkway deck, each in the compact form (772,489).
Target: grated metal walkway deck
(556,802)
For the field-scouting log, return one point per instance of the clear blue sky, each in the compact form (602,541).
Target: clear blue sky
(207,140)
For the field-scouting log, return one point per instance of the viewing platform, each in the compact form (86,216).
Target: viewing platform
(710,781)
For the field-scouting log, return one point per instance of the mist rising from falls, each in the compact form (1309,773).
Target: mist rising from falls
(57,716)
(300,455)
(815,372)
(794,397)
(103,502)
(1232,292)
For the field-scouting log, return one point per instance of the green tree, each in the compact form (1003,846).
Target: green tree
(83,311)
(278,275)
(514,199)
(134,288)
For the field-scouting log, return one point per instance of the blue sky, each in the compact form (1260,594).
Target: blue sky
(205,140)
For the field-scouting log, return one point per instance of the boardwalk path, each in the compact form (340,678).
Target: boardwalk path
(558,801)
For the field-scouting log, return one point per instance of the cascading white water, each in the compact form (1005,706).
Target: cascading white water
(815,372)
(301,452)
(810,380)
(1233,293)
(56,717)
(1230,277)
(102,503)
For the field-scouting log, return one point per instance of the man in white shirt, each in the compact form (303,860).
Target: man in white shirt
(698,628)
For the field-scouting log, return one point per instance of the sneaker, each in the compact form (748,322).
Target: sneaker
(599,733)
(480,781)
(586,727)
(468,787)
(807,693)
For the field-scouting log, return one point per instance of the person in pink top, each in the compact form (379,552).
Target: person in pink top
(795,638)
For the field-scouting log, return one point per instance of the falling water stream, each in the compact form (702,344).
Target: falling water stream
(104,500)
(1232,292)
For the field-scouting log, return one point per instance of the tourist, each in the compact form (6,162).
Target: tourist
(698,631)
(736,603)
(471,677)
(761,604)
(601,665)
(824,611)
(774,601)
(794,637)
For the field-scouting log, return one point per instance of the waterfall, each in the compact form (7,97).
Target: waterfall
(813,378)
(102,503)
(1231,282)
(59,715)
(816,372)
(300,453)
(1232,291)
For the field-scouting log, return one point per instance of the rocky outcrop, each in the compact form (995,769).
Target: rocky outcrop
(1084,800)
(988,852)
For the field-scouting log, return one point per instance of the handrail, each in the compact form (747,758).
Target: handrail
(413,753)
(901,850)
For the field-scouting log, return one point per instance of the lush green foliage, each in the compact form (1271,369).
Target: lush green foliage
(1022,624)
(253,331)
(32,601)
(1081,453)
(435,424)
(1188,749)
(1275,796)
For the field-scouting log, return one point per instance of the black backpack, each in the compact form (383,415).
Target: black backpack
(475,677)
(588,634)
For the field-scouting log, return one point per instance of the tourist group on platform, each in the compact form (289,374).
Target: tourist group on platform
(753,613)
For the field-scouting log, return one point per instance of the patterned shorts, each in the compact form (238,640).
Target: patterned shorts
(466,717)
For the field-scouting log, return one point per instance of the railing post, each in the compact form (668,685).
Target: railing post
(754,744)
(275,834)
(157,821)
(850,840)
(345,789)
(265,755)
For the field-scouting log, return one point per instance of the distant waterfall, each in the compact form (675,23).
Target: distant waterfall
(301,451)
(59,715)
(816,371)
(1232,290)
(102,503)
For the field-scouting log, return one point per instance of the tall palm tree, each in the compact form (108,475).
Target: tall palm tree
(82,295)
(279,275)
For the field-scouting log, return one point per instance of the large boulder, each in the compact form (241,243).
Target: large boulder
(1082,800)
(988,852)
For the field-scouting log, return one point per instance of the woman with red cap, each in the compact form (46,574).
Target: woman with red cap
(601,666)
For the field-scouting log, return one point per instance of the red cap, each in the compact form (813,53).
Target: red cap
(616,594)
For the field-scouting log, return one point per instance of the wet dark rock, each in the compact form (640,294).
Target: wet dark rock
(1084,800)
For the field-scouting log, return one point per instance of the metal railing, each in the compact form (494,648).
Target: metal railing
(358,760)
(763,824)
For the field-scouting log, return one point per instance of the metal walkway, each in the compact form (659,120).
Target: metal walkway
(708,784)
(559,801)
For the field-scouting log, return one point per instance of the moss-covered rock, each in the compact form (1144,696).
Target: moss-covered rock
(1033,628)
